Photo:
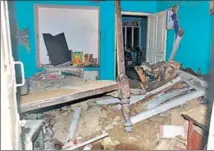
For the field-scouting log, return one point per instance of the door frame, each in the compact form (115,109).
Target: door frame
(115,27)
(134,14)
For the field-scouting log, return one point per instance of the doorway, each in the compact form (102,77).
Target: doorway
(144,37)
(134,40)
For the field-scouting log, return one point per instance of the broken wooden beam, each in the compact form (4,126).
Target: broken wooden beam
(174,81)
(166,106)
(74,123)
(176,44)
(140,73)
(133,99)
(86,142)
(163,98)
(187,76)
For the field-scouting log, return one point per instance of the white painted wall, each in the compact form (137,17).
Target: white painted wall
(80,26)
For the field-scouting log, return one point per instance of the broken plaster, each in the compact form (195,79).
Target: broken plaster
(23,38)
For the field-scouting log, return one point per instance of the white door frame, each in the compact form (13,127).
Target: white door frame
(133,14)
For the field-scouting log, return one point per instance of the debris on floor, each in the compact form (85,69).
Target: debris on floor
(171,131)
(161,115)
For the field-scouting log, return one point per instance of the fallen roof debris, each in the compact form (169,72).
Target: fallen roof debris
(171,131)
(100,115)
(166,106)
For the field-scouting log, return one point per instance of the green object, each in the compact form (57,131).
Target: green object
(67,74)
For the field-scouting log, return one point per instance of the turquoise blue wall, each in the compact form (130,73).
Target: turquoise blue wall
(25,18)
(195,48)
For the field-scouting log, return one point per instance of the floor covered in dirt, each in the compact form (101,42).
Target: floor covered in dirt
(96,119)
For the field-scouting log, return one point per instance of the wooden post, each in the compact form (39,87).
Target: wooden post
(124,90)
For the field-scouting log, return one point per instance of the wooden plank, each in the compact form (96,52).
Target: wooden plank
(119,40)
(38,104)
(86,142)
(166,106)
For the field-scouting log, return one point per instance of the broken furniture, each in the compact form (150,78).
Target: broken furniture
(33,135)
(52,92)
(198,128)
(194,138)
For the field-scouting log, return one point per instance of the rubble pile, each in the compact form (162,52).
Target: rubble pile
(161,115)
(156,72)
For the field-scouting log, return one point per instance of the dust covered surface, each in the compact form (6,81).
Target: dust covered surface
(95,120)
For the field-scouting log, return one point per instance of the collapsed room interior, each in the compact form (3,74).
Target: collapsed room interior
(107,75)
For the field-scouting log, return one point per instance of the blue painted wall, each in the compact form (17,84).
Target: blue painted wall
(195,48)
(25,18)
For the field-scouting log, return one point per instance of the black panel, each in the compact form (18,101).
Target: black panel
(57,48)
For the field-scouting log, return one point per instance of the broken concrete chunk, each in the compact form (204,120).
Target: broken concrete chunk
(171,131)
(107,143)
